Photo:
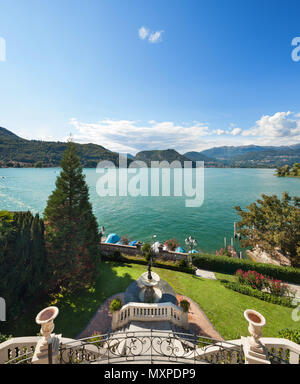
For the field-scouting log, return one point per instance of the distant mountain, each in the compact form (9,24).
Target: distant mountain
(18,152)
(169,155)
(226,152)
(198,156)
(253,155)
(268,158)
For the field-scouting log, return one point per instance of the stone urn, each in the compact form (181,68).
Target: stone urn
(45,319)
(256,323)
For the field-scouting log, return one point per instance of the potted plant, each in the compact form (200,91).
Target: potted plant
(115,305)
(185,305)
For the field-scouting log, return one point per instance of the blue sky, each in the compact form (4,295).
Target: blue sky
(151,74)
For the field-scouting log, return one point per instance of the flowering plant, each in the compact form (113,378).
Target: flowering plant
(228,251)
(263,283)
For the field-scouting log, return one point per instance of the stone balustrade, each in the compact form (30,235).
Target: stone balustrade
(18,346)
(286,350)
(223,352)
(116,346)
(149,312)
(283,348)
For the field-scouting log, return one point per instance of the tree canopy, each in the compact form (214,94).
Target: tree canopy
(24,269)
(286,170)
(273,223)
(72,236)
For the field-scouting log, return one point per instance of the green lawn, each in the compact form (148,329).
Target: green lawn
(222,306)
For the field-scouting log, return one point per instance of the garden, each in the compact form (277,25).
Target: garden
(223,307)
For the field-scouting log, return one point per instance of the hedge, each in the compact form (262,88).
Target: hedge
(290,334)
(224,264)
(157,264)
(246,290)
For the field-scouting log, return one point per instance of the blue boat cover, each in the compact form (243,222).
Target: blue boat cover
(133,243)
(180,249)
(193,251)
(112,238)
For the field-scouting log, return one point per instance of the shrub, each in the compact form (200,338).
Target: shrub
(247,290)
(182,263)
(172,244)
(290,334)
(4,337)
(276,287)
(228,252)
(115,305)
(156,263)
(257,281)
(230,265)
(254,279)
(185,305)
(96,339)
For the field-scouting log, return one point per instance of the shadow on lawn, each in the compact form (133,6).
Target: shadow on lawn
(76,309)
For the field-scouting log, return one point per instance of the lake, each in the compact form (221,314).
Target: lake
(141,217)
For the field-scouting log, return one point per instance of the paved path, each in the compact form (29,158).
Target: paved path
(199,323)
(205,274)
(296,289)
(101,321)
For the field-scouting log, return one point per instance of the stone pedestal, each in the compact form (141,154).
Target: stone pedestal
(41,355)
(254,354)
(45,318)
(149,295)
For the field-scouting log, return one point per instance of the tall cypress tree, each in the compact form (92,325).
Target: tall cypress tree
(23,263)
(72,237)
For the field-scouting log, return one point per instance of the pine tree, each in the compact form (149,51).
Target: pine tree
(71,230)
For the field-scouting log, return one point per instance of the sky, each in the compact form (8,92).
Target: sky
(135,75)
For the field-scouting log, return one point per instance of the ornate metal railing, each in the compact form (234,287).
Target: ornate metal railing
(150,346)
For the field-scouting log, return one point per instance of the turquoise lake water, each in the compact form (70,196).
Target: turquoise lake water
(141,217)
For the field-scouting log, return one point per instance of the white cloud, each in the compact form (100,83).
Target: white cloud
(279,125)
(282,128)
(133,136)
(143,33)
(236,131)
(152,37)
(155,37)
(233,132)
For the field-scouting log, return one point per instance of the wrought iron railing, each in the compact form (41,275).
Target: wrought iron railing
(148,347)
